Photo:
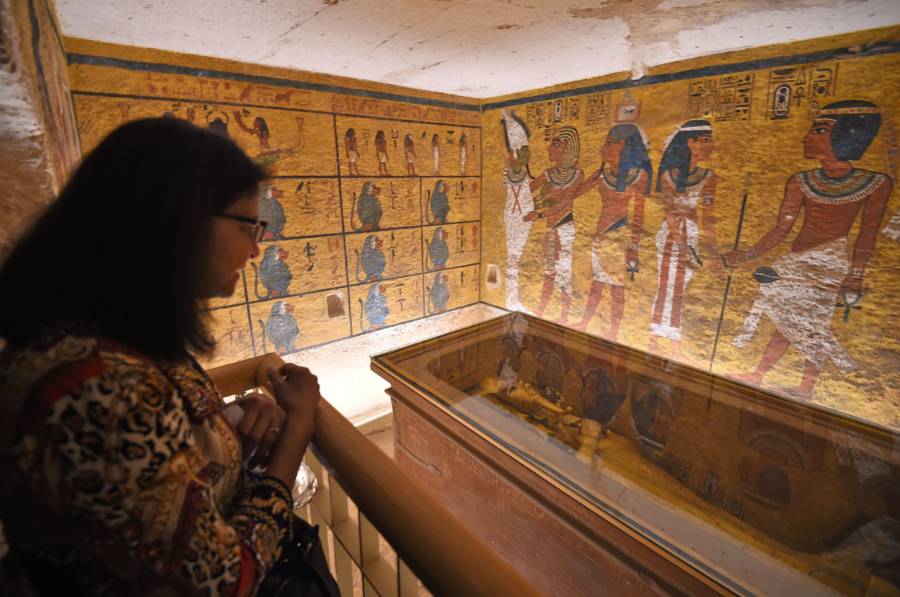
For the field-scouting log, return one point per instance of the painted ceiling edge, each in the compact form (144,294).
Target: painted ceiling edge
(869,42)
(853,44)
(285,76)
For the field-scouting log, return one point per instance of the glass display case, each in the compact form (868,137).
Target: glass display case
(593,466)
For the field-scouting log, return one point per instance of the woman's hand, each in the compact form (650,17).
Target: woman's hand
(297,391)
(260,426)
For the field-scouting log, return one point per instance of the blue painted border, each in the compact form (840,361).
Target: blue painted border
(889,47)
(258,79)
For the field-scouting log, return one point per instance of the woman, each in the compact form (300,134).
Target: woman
(121,474)
(685,187)
(624,177)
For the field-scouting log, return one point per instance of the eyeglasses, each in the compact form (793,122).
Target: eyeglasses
(259,226)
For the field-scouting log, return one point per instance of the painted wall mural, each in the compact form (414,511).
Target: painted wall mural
(353,206)
(741,219)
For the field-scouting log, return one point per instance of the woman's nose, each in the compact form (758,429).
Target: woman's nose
(254,249)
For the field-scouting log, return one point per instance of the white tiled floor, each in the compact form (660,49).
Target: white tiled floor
(343,370)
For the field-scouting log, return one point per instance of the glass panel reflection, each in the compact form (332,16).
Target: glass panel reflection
(762,493)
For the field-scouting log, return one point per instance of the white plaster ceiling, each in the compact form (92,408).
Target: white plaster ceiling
(475,48)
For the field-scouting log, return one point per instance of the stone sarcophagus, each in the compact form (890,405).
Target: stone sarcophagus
(598,469)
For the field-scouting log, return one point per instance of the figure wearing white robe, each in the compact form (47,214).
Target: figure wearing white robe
(677,255)
(518,203)
(801,302)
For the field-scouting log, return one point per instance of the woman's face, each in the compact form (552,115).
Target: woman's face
(233,244)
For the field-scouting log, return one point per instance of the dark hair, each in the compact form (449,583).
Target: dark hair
(634,154)
(125,246)
(676,158)
(852,134)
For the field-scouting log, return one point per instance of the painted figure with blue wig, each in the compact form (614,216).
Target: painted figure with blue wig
(820,270)
(686,188)
(624,177)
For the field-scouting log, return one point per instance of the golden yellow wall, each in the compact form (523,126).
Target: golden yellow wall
(735,94)
(321,238)
(38,129)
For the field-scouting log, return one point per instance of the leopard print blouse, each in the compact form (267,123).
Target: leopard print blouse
(121,475)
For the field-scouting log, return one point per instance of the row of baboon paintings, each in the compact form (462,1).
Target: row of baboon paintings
(300,143)
(294,207)
(291,323)
(297,266)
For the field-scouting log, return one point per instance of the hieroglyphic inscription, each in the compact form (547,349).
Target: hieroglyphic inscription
(792,88)
(726,98)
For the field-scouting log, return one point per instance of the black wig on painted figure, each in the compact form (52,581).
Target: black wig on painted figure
(126,245)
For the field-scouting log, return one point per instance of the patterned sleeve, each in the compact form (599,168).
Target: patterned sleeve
(120,458)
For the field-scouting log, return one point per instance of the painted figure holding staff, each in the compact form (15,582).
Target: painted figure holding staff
(798,293)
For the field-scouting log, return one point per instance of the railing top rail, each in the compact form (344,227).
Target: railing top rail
(445,554)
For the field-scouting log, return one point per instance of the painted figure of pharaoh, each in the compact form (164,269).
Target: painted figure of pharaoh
(624,176)
(409,150)
(558,186)
(518,202)
(800,295)
(381,153)
(352,150)
(685,187)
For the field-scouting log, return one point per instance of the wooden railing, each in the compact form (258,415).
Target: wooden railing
(429,541)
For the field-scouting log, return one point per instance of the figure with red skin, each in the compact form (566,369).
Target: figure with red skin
(557,187)
(381,153)
(352,150)
(624,177)
(820,270)
(409,148)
